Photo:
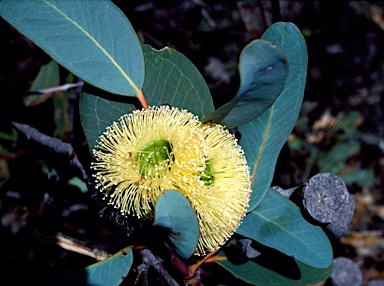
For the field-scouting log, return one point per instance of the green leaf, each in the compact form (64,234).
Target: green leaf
(47,77)
(171,78)
(278,223)
(173,212)
(364,178)
(263,72)
(97,112)
(255,273)
(95,41)
(263,138)
(334,160)
(111,271)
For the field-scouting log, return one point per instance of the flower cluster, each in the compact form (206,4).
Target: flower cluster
(161,148)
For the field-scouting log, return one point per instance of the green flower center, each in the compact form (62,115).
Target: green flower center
(208,175)
(154,159)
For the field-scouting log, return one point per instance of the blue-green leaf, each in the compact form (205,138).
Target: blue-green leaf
(93,40)
(172,78)
(263,138)
(278,223)
(254,273)
(173,212)
(112,270)
(263,72)
(96,113)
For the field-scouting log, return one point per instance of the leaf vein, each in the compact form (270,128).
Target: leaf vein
(119,68)
(265,138)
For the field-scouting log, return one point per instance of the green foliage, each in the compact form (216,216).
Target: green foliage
(47,77)
(97,113)
(278,223)
(263,138)
(107,55)
(333,160)
(263,70)
(295,273)
(173,212)
(98,44)
(362,177)
(332,143)
(170,78)
(110,271)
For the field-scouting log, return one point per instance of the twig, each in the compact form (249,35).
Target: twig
(55,145)
(57,88)
(205,14)
(196,266)
(76,246)
(194,281)
(180,266)
(377,16)
(142,270)
(191,276)
(287,192)
(150,260)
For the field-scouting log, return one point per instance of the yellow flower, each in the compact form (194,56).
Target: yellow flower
(222,203)
(161,148)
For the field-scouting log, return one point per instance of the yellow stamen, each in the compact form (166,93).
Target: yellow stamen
(160,148)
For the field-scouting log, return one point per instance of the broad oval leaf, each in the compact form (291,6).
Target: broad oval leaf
(111,271)
(256,274)
(173,211)
(263,72)
(278,223)
(96,113)
(95,41)
(171,78)
(263,138)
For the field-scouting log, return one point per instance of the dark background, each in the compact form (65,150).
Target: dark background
(343,106)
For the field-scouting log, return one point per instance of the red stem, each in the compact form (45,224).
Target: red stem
(141,98)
